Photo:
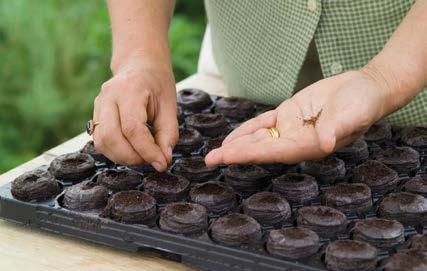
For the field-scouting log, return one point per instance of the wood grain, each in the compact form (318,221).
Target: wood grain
(23,248)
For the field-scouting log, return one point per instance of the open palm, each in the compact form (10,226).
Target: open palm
(320,118)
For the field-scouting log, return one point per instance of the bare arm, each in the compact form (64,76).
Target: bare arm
(401,66)
(140,29)
(142,89)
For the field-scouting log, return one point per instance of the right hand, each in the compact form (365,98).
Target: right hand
(135,96)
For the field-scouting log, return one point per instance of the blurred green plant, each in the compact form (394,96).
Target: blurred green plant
(54,55)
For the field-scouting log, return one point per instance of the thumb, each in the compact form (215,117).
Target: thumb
(166,126)
(326,129)
(337,130)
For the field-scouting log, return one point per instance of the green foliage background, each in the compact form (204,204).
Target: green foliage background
(54,55)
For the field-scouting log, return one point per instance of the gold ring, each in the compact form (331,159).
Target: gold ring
(90,127)
(274,133)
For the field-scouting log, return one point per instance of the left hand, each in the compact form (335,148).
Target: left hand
(348,103)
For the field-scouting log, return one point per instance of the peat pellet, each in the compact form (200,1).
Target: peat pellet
(195,170)
(348,197)
(212,143)
(165,187)
(217,197)
(73,167)
(194,100)
(236,229)
(235,108)
(325,221)
(354,153)
(190,140)
(293,242)
(350,255)
(414,136)
(327,170)
(89,148)
(402,159)
(184,218)
(378,133)
(379,177)
(208,124)
(296,187)
(418,242)
(144,169)
(417,185)
(133,207)
(119,179)
(268,208)
(407,260)
(404,207)
(276,169)
(246,179)
(35,185)
(381,233)
(85,196)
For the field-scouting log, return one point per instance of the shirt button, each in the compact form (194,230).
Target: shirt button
(311,5)
(336,67)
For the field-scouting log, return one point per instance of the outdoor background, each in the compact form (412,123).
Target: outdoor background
(54,55)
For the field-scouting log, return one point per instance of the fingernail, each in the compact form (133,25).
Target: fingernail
(157,166)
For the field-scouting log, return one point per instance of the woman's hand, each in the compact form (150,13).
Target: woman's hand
(135,96)
(313,123)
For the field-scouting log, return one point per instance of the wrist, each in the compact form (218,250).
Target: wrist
(386,83)
(400,79)
(156,59)
(137,62)
(397,91)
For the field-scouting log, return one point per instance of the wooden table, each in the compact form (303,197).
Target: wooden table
(24,248)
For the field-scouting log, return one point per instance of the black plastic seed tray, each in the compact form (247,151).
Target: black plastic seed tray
(199,251)
(195,250)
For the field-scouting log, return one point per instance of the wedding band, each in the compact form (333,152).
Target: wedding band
(274,133)
(90,127)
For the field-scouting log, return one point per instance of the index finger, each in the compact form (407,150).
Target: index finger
(133,119)
(260,147)
(265,120)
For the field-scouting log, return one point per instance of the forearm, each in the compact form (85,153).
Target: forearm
(401,67)
(140,31)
